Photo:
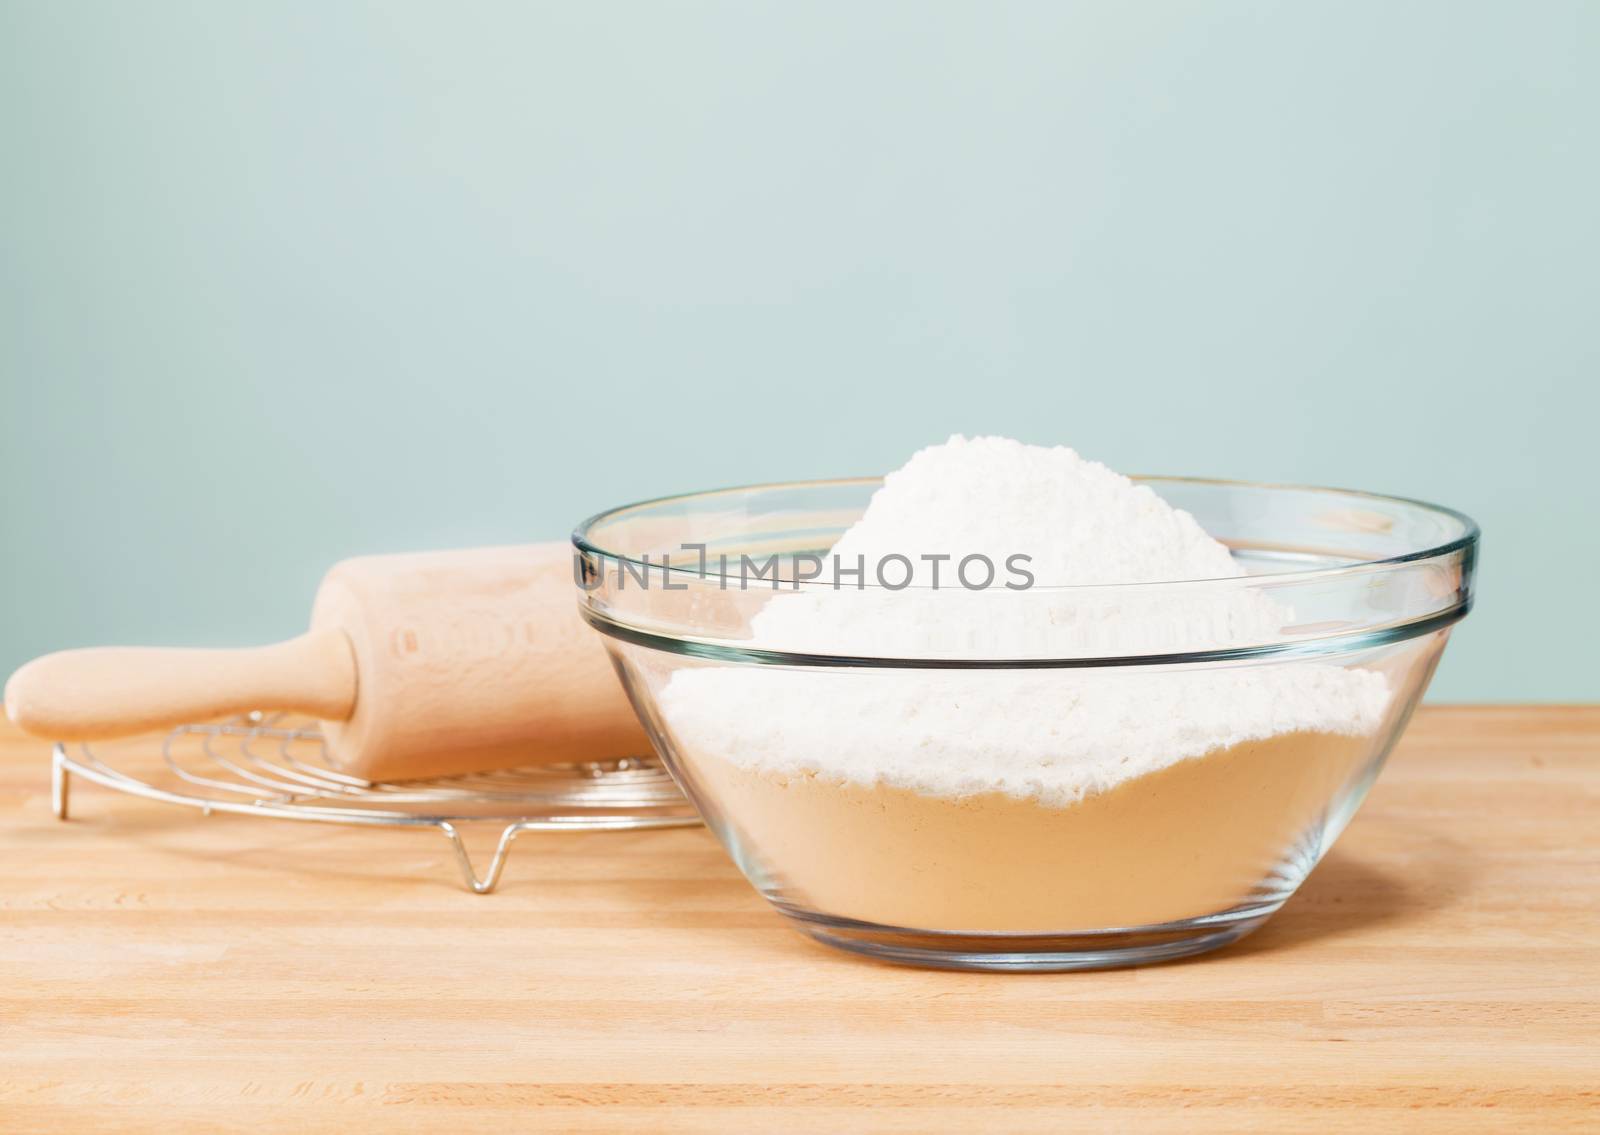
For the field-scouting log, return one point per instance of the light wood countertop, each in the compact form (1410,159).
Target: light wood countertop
(168,972)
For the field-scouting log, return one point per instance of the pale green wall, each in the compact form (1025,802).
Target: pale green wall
(285,282)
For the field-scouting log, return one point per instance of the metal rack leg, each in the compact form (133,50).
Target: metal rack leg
(60,782)
(497,864)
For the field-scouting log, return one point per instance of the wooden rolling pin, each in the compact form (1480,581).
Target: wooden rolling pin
(415,665)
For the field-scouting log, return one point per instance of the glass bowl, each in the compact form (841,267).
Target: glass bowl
(1150,774)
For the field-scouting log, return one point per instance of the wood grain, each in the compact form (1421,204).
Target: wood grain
(164,972)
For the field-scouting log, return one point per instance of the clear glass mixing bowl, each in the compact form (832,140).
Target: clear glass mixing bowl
(1150,774)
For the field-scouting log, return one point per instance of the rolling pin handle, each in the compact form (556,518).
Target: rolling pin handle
(87,695)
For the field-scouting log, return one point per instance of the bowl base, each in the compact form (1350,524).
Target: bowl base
(1034,953)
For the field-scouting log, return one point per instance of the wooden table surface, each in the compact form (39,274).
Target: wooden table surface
(167,972)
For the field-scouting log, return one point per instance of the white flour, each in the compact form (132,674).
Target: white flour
(1081,523)
(1054,734)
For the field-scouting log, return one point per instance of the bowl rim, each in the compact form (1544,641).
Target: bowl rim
(1469,537)
(717,649)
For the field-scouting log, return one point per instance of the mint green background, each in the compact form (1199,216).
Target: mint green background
(281,283)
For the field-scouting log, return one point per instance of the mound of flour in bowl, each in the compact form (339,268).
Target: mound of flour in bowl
(1053,736)
(1079,522)
(1068,522)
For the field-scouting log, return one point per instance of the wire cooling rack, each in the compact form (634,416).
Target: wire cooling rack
(274,766)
